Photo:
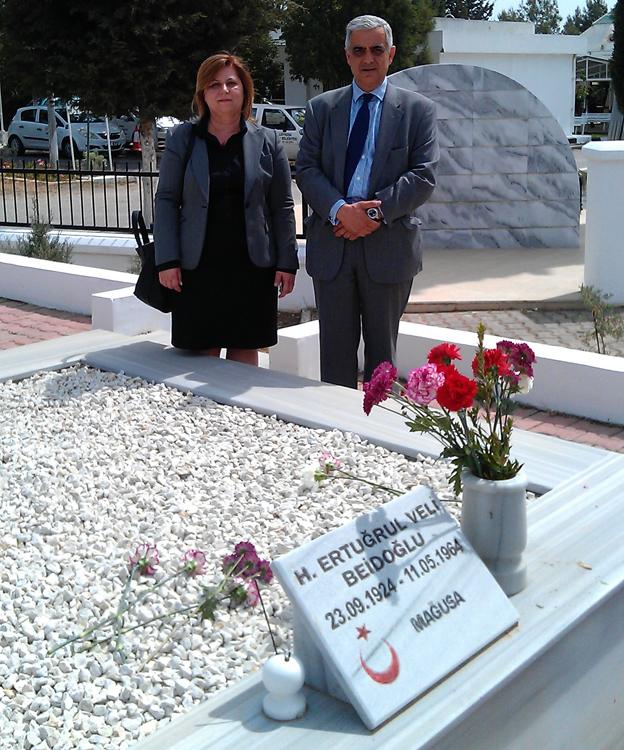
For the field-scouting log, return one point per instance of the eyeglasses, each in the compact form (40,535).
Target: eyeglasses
(377,51)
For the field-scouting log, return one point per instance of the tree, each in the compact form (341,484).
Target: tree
(139,55)
(512,15)
(320,54)
(582,19)
(33,60)
(543,13)
(617,61)
(574,23)
(475,10)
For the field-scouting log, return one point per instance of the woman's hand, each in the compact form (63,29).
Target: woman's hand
(285,282)
(171,278)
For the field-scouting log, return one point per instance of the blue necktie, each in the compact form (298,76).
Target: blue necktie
(357,140)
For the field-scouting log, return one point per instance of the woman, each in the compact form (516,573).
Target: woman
(224,224)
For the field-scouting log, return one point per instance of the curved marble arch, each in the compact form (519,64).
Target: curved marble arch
(507,177)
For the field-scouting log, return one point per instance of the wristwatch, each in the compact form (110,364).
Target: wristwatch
(374,214)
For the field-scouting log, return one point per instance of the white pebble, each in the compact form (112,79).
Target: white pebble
(156,711)
(101,462)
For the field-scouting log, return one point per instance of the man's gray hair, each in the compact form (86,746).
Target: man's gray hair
(368,22)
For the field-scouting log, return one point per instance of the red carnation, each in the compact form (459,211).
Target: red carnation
(458,391)
(443,354)
(493,359)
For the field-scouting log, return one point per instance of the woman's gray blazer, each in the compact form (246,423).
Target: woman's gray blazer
(181,205)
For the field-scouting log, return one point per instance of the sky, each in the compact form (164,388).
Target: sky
(566,7)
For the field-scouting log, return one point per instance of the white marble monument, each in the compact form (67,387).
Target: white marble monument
(507,177)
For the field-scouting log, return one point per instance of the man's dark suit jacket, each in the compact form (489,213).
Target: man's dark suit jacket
(402,177)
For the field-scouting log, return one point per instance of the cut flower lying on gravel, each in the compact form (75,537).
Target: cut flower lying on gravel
(473,415)
(242,571)
(331,468)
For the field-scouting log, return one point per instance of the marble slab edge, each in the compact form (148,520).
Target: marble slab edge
(55,354)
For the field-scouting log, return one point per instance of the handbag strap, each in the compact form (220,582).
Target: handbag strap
(139,229)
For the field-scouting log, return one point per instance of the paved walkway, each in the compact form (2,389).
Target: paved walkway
(21,323)
(570,328)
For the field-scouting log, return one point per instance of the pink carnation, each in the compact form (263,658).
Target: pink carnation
(379,386)
(253,595)
(194,562)
(242,562)
(423,383)
(264,572)
(145,558)
(328,463)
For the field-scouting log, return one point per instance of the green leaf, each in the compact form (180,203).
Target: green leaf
(208,605)
(238,595)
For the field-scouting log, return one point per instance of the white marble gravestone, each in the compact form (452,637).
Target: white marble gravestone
(507,177)
(389,604)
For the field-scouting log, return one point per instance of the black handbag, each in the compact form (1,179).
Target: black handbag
(148,287)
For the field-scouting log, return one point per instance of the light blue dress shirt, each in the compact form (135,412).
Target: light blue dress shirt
(358,188)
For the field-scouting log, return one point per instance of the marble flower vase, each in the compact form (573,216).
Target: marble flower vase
(494,520)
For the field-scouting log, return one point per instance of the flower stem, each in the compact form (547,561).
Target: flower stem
(122,607)
(352,477)
(171,613)
(123,631)
(266,617)
(121,610)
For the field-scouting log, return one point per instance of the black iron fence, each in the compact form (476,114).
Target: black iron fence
(80,198)
(74,198)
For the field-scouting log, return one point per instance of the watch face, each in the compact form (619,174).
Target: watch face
(373,213)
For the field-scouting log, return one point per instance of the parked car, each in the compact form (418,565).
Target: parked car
(129,124)
(29,130)
(286,119)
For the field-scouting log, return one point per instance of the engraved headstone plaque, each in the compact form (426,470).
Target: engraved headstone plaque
(391,603)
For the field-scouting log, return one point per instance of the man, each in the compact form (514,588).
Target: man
(366,162)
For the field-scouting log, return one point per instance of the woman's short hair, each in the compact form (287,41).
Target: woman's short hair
(206,73)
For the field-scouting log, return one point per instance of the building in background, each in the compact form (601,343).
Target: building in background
(545,64)
(293,91)
(594,92)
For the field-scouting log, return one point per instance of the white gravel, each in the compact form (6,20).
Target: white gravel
(91,464)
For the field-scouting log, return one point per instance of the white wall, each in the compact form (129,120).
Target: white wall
(604,254)
(116,252)
(566,380)
(549,77)
(59,286)
(542,63)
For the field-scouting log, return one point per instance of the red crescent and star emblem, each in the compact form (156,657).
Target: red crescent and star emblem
(386,676)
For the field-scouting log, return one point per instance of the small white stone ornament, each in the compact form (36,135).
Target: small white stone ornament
(283,678)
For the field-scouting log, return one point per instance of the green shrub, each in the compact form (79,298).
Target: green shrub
(39,243)
(607,322)
(94,160)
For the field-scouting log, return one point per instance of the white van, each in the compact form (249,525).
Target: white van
(287,119)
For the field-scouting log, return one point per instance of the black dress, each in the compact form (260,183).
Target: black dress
(226,301)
